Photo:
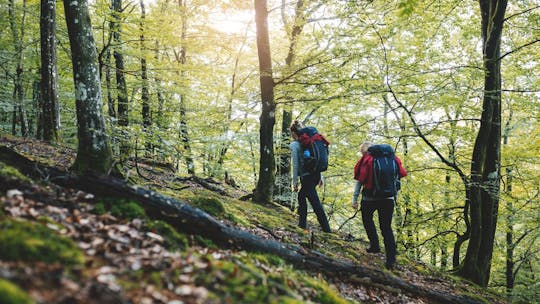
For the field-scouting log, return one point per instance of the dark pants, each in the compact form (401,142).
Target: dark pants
(385,209)
(308,191)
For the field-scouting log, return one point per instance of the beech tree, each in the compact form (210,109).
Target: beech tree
(483,194)
(50,115)
(93,151)
(265,184)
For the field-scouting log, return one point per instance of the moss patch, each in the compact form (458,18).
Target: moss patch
(262,278)
(209,204)
(25,241)
(12,294)
(120,208)
(12,173)
(173,239)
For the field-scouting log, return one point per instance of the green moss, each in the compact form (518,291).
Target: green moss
(25,241)
(204,242)
(12,294)
(209,204)
(11,172)
(99,208)
(120,208)
(155,279)
(324,294)
(127,210)
(173,239)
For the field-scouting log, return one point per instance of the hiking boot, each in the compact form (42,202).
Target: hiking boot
(373,250)
(390,265)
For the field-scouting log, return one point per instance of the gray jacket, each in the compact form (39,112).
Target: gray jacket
(297,161)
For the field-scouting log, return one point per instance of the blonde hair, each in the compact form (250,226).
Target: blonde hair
(296,126)
(364,147)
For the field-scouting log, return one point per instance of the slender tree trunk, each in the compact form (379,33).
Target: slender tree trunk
(263,192)
(121,87)
(145,92)
(50,113)
(116,28)
(184,134)
(19,112)
(93,152)
(283,174)
(485,165)
(36,97)
(111,106)
(510,213)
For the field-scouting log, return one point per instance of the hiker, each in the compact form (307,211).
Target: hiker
(375,199)
(309,179)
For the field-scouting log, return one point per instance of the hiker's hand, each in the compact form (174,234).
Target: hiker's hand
(355,205)
(295,188)
(321,183)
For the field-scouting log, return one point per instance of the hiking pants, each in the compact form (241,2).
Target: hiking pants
(308,191)
(385,209)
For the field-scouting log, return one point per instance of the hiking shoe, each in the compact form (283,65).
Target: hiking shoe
(373,250)
(390,265)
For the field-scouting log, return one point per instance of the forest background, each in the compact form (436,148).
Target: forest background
(181,86)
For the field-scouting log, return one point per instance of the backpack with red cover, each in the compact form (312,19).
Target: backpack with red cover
(315,150)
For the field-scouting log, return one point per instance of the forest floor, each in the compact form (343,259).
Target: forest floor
(123,256)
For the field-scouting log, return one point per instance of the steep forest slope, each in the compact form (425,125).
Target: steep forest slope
(174,239)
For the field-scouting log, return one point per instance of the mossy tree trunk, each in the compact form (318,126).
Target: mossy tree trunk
(265,184)
(93,152)
(121,86)
(50,113)
(484,188)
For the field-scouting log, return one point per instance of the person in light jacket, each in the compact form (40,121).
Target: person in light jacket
(308,182)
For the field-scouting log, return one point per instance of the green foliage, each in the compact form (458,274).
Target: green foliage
(173,239)
(25,241)
(12,294)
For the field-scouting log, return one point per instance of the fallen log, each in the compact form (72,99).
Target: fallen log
(192,220)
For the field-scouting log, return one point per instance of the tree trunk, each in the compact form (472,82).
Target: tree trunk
(116,28)
(19,112)
(485,165)
(263,192)
(510,213)
(93,152)
(50,114)
(283,174)
(184,135)
(145,92)
(111,107)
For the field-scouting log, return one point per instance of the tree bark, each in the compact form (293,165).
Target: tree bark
(19,112)
(265,185)
(116,28)
(483,194)
(50,113)
(184,134)
(93,152)
(145,91)
(283,174)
